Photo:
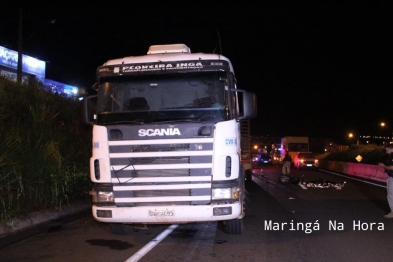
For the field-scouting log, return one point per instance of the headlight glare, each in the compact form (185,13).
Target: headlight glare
(105,196)
(221,193)
(225,193)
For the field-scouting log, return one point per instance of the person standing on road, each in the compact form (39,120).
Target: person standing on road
(388,166)
(286,164)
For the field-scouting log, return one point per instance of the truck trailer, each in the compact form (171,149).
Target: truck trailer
(293,145)
(166,143)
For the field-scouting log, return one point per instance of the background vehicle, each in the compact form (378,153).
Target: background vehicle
(305,160)
(167,140)
(264,158)
(294,144)
(276,158)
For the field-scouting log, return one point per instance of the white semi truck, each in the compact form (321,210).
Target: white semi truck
(166,143)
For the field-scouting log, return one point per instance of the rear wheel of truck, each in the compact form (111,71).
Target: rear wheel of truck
(248,175)
(234,226)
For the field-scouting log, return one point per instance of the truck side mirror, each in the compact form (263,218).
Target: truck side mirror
(247,104)
(90,109)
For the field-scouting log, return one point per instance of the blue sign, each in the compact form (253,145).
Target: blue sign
(60,87)
(30,65)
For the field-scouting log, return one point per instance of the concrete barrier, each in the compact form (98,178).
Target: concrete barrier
(367,171)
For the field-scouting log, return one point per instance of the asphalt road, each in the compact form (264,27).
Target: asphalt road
(283,222)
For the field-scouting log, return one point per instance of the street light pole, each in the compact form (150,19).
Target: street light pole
(384,125)
(21,42)
(19,68)
(352,135)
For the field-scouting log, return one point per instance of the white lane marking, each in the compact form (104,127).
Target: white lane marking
(149,246)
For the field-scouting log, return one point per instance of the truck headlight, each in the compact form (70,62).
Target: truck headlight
(105,196)
(221,193)
(225,193)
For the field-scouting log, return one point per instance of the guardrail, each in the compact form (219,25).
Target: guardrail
(367,171)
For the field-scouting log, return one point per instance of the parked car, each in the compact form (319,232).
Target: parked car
(264,158)
(305,160)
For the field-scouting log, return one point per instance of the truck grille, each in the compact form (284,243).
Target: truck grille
(161,173)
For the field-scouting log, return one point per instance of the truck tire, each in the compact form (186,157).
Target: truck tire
(234,226)
(248,175)
(120,229)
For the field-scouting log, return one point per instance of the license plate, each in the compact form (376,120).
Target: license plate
(161,213)
(309,165)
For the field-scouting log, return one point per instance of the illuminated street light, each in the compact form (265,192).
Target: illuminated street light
(385,125)
(351,135)
(21,42)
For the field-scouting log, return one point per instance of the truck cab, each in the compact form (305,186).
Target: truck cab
(167,139)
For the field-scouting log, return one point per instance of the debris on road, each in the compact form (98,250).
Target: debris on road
(289,179)
(302,186)
(322,183)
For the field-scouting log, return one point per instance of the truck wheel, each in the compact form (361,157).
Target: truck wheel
(120,229)
(234,226)
(248,175)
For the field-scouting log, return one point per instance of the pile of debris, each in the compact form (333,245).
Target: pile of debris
(322,183)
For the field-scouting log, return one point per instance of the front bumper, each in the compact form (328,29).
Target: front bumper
(167,214)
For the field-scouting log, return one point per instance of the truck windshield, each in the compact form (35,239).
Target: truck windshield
(196,96)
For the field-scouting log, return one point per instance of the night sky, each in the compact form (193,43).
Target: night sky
(319,70)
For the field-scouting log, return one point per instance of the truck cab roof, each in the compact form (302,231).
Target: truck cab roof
(168,53)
